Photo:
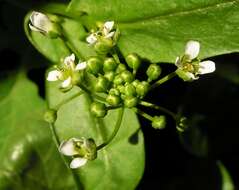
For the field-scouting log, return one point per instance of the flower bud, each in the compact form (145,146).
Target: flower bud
(127,76)
(130,90)
(101,84)
(118,80)
(121,88)
(142,88)
(159,122)
(110,75)
(182,124)
(114,91)
(113,100)
(135,82)
(130,101)
(40,22)
(121,67)
(103,46)
(98,109)
(94,65)
(109,64)
(153,71)
(133,61)
(50,116)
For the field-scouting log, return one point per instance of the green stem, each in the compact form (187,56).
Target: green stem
(57,107)
(116,129)
(165,110)
(91,94)
(115,56)
(145,115)
(163,80)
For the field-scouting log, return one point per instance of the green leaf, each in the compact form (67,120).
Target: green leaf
(158,30)
(227,183)
(121,163)
(29,158)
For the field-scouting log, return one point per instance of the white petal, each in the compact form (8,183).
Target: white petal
(109,25)
(66,83)
(191,76)
(78,162)
(68,148)
(40,21)
(54,75)
(33,28)
(91,39)
(206,67)
(177,62)
(69,59)
(80,66)
(192,49)
(110,35)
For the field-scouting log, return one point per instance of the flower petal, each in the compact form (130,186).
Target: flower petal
(91,39)
(78,162)
(178,62)
(68,147)
(192,49)
(109,25)
(206,67)
(69,61)
(80,66)
(110,35)
(66,83)
(40,21)
(54,75)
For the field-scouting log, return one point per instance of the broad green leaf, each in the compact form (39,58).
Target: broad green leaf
(158,30)
(227,183)
(119,165)
(29,158)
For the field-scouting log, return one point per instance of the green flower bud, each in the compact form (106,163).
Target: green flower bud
(130,101)
(121,67)
(109,64)
(103,46)
(118,80)
(114,91)
(50,116)
(113,100)
(110,75)
(121,88)
(127,76)
(130,90)
(153,71)
(102,84)
(136,82)
(182,124)
(98,109)
(159,122)
(94,65)
(133,61)
(142,88)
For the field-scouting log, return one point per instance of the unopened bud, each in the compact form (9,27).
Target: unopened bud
(98,109)
(94,65)
(133,61)
(101,84)
(109,64)
(153,72)
(130,101)
(159,122)
(113,100)
(50,116)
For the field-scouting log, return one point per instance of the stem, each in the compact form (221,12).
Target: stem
(116,129)
(91,94)
(163,80)
(165,110)
(115,56)
(57,107)
(145,115)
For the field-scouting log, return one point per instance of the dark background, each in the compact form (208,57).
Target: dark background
(171,163)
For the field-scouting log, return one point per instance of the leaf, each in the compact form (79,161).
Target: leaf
(158,30)
(29,158)
(121,163)
(227,183)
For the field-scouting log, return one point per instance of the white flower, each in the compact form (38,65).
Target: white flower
(65,74)
(71,148)
(189,66)
(39,22)
(81,150)
(106,31)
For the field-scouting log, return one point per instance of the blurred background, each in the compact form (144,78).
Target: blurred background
(173,160)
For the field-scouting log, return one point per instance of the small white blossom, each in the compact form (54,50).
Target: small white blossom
(66,73)
(106,31)
(39,22)
(189,66)
(81,150)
